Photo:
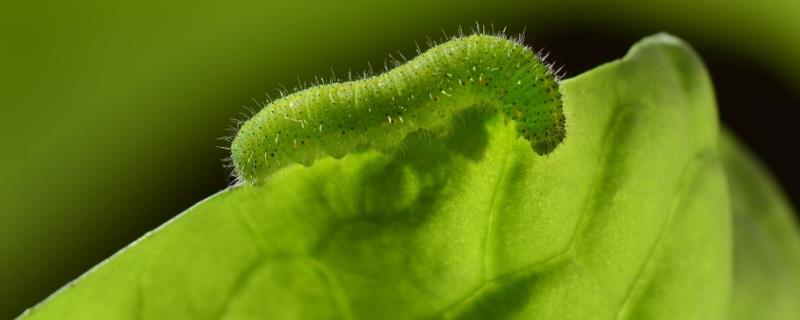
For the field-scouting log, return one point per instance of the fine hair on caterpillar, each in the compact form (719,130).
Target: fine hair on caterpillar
(485,72)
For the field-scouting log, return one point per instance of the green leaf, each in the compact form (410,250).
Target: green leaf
(767,243)
(628,218)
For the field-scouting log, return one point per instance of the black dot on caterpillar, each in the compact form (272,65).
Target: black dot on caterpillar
(377,113)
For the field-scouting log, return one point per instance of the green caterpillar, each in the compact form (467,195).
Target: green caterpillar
(376,113)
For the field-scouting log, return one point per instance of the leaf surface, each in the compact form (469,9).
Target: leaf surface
(766,240)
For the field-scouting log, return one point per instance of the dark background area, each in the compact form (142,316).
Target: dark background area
(111,114)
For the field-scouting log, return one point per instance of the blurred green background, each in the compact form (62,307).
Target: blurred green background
(111,111)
